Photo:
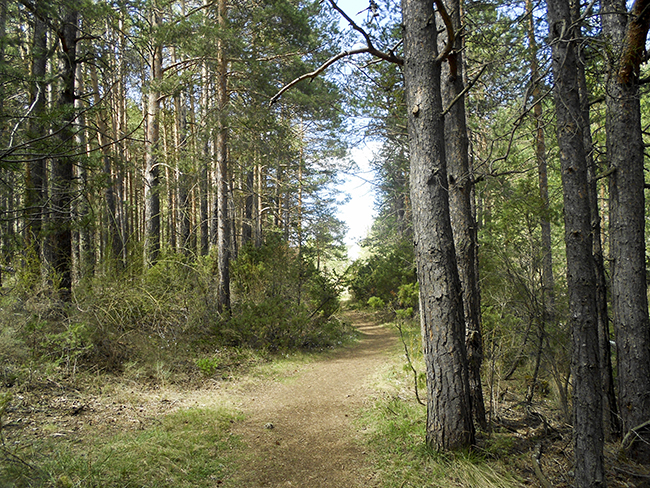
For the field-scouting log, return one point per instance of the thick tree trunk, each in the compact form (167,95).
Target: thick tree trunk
(611,420)
(449,415)
(587,395)
(627,214)
(62,166)
(460,206)
(152,171)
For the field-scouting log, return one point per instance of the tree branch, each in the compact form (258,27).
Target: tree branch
(450,31)
(370,49)
(465,90)
(313,74)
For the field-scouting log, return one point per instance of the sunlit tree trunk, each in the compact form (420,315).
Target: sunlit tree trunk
(449,415)
(462,218)
(221,203)
(205,164)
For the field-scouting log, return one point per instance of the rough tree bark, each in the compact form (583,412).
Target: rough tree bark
(62,166)
(626,35)
(221,203)
(611,420)
(449,415)
(587,396)
(460,204)
(449,412)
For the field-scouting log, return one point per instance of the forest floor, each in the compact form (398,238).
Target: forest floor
(298,421)
(291,422)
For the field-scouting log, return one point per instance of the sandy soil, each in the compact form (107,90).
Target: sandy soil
(301,433)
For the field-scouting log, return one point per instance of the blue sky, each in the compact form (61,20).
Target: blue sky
(358,213)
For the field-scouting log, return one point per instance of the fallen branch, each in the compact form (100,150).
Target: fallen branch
(537,456)
(629,437)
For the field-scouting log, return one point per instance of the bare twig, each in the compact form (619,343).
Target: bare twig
(465,90)
(410,363)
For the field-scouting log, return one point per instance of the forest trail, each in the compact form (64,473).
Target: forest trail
(313,442)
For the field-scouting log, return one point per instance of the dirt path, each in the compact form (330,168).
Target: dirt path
(302,433)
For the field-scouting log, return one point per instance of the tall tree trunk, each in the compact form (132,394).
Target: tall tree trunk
(124,211)
(35,170)
(62,166)
(152,171)
(611,419)
(449,414)
(204,184)
(259,203)
(114,235)
(247,228)
(627,36)
(182,177)
(587,395)
(221,203)
(84,223)
(460,206)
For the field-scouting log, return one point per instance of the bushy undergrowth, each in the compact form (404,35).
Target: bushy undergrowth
(281,301)
(383,274)
(167,315)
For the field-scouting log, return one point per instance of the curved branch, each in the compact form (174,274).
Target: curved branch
(370,49)
(313,74)
(451,38)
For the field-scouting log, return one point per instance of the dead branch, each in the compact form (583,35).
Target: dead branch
(465,90)
(450,31)
(410,363)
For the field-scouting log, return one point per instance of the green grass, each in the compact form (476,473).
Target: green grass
(395,440)
(187,448)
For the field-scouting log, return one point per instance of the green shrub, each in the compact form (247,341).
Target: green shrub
(280,300)
(376,303)
(383,274)
(208,366)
